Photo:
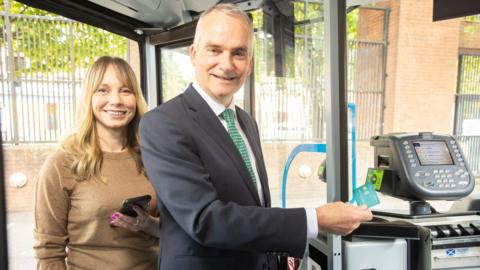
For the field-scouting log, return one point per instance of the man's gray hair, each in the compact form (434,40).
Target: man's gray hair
(229,9)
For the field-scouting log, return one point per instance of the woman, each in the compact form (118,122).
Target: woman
(82,185)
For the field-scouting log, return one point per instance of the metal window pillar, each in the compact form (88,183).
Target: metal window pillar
(336,116)
(149,72)
(11,77)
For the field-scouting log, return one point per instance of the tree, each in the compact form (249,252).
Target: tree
(43,42)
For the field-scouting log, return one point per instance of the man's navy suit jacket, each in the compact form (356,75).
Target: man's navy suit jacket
(211,215)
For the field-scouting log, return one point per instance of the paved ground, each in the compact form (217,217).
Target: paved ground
(20,241)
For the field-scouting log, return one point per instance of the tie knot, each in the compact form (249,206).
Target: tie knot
(228,115)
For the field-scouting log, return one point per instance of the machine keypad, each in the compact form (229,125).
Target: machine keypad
(439,178)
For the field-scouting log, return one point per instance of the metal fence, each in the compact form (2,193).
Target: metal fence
(290,109)
(467,109)
(42,62)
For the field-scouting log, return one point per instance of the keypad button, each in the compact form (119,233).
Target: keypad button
(428,184)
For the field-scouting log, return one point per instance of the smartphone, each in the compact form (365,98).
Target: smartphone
(127,205)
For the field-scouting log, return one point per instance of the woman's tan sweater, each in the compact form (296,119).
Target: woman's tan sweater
(72,229)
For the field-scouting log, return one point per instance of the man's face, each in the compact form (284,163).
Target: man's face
(222,55)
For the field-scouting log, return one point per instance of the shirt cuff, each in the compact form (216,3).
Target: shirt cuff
(312,224)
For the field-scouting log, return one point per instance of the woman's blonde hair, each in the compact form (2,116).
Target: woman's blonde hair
(83,145)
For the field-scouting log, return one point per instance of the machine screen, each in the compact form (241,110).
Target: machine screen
(432,153)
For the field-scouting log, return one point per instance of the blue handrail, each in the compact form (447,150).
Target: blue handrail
(353,111)
(322,148)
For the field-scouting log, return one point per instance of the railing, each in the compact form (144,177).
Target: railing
(293,110)
(42,62)
(467,109)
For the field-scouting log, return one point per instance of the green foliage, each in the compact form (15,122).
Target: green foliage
(352,24)
(44,42)
(473,18)
(469,79)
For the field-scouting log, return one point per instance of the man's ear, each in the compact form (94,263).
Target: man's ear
(193,53)
(250,67)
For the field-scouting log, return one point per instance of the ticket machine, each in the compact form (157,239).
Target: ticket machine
(415,167)
(421,166)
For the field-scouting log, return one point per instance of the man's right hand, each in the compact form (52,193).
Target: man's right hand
(341,218)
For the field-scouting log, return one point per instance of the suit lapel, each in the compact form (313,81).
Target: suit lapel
(209,122)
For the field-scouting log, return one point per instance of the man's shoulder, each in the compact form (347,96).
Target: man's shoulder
(173,106)
(168,111)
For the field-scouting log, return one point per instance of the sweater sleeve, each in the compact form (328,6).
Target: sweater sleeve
(51,215)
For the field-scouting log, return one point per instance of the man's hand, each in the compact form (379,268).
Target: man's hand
(341,218)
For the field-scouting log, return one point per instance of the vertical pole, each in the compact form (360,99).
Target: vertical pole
(149,74)
(3,216)
(336,116)
(386,19)
(11,73)
(73,66)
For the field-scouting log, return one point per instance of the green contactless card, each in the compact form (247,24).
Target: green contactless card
(375,177)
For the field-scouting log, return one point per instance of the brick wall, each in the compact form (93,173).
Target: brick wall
(26,160)
(470,35)
(370,24)
(422,68)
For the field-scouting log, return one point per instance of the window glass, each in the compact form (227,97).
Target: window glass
(40,84)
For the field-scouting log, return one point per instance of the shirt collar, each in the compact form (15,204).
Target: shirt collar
(216,106)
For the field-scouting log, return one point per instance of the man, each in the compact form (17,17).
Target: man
(203,156)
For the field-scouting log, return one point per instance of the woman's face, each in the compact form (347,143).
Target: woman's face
(114,105)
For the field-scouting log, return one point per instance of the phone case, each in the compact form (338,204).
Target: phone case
(141,201)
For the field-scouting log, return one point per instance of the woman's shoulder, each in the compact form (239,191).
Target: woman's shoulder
(56,170)
(59,157)
(57,162)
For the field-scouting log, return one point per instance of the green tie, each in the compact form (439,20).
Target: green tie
(238,141)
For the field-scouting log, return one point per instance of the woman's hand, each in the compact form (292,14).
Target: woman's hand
(143,222)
